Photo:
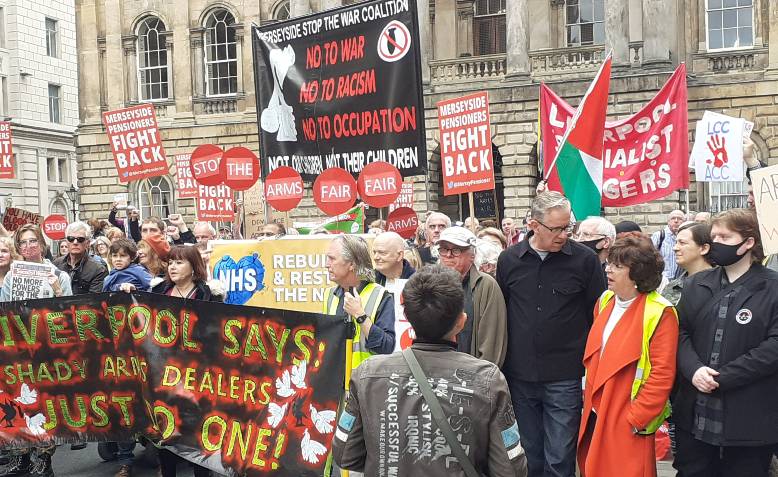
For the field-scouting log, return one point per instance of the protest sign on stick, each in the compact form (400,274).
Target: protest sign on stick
(765,184)
(15,218)
(405,199)
(214,203)
(135,142)
(187,186)
(6,151)
(466,144)
(717,155)
(341,88)
(54,226)
(334,191)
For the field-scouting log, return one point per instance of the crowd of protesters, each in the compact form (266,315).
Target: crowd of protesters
(570,339)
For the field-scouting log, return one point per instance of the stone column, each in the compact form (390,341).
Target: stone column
(114,77)
(299,7)
(445,29)
(330,4)
(171,76)
(129,45)
(180,58)
(772,18)
(517,47)
(659,25)
(89,66)
(617,31)
(239,37)
(198,61)
(423,11)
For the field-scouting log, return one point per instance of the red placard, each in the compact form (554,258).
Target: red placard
(334,191)
(405,199)
(6,151)
(205,165)
(239,168)
(187,186)
(54,226)
(403,221)
(135,141)
(465,144)
(379,184)
(214,203)
(284,189)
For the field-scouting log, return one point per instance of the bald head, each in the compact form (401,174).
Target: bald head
(388,254)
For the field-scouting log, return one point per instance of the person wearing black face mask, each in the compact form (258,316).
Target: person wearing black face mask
(724,408)
(597,234)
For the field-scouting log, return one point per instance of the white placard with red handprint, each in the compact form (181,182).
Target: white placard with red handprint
(717,155)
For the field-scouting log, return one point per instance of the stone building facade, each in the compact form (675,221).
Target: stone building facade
(39,96)
(506,47)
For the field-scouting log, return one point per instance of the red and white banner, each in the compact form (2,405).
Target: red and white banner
(136,143)
(283,189)
(465,144)
(405,199)
(379,184)
(645,156)
(6,151)
(239,168)
(187,186)
(214,203)
(403,221)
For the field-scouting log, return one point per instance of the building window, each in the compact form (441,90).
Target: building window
(221,54)
(55,103)
(52,45)
(152,60)
(58,169)
(281,12)
(730,24)
(489,27)
(155,197)
(585,22)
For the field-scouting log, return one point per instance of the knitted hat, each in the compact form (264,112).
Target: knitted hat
(159,244)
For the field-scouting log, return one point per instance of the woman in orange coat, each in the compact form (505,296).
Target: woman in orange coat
(621,409)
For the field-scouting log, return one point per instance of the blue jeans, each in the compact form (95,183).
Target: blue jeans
(548,415)
(124,455)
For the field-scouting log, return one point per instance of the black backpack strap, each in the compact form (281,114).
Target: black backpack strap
(438,414)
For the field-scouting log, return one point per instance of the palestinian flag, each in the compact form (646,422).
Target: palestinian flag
(578,162)
(349,222)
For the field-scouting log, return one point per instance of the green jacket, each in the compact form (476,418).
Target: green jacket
(490,323)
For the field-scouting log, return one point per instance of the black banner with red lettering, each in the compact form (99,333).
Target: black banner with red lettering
(241,390)
(341,88)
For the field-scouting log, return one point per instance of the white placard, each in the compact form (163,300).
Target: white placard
(717,155)
(765,183)
(30,280)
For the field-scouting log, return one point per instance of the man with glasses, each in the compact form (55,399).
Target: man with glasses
(484,334)
(436,223)
(273,229)
(551,285)
(598,234)
(86,273)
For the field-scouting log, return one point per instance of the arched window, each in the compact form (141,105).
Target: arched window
(58,206)
(281,12)
(152,60)
(221,54)
(155,197)
(489,27)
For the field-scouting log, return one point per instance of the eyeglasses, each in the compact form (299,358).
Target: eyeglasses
(72,239)
(558,230)
(28,243)
(267,234)
(453,252)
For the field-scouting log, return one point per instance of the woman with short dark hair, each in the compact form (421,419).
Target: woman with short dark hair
(630,365)
(692,254)
(724,407)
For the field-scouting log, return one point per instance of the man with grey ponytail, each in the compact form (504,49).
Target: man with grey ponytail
(356,297)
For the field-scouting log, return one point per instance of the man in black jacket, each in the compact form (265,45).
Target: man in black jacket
(86,274)
(725,408)
(550,285)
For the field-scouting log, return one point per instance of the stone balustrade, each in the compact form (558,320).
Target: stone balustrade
(754,59)
(560,61)
(217,105)
(467,69)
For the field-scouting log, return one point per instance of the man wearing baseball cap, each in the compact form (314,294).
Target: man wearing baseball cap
(485,332)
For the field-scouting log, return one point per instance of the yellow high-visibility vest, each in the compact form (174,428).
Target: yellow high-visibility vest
(655,307)
(370,296)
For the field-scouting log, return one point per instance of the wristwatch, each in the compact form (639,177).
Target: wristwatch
(361,318)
